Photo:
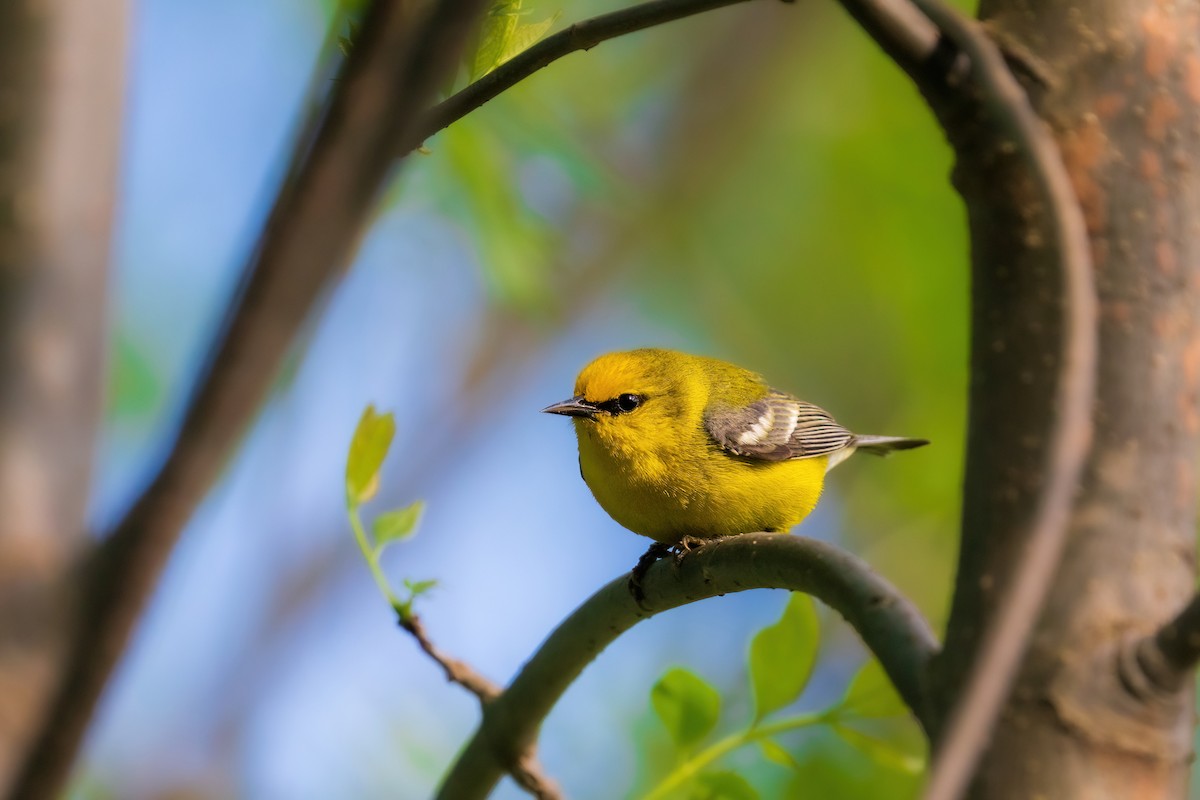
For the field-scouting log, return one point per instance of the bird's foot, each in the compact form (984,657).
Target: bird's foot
(684,546)
(656,551)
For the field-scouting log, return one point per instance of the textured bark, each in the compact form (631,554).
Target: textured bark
(61,77)
(1118,81)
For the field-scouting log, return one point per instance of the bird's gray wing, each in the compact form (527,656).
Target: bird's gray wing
(776,428)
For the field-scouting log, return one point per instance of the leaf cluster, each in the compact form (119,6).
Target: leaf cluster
(368,449)
(869,716)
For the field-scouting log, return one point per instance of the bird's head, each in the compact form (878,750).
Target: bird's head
(630,400)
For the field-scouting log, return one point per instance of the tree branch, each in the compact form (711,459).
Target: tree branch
(337,173)
(578,36)
(988,90)
(887,622)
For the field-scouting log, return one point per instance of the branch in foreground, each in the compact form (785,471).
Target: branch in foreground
(1168,657)
(337,173)
(887,622)
(525,769)
(578,36)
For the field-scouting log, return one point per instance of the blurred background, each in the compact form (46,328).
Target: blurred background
(757,184)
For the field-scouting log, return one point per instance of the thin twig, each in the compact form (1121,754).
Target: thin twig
(887,622)
(525,769)
(336,175)
(456,671)
(579,36)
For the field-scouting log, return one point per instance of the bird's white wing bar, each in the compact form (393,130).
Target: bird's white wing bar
(776,428)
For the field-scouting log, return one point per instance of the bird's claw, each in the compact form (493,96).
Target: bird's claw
(658,550)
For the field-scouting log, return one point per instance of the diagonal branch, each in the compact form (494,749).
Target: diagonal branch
(335,178)
(887,622)
(579,36)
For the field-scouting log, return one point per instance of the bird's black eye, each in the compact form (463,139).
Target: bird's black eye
(628,402)
(621,404)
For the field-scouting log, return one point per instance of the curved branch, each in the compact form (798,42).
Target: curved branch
(887,622)
(578,36)
(993,92)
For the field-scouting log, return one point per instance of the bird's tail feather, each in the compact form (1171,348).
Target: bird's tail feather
(882,445)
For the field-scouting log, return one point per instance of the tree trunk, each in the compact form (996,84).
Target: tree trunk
(1118,81)
(61,82)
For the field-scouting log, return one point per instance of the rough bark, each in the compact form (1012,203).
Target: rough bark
(1118,81)
(61,80)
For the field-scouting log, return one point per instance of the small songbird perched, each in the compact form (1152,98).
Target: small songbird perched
(679,447)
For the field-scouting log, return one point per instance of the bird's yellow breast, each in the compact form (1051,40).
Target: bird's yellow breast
(700,490)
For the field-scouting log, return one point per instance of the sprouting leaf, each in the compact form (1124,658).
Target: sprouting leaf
(776,753)
(687,705)
(871,695)
(902,753)
(368,448)
(722,785)
(782,656)
(418,588)
(395,525)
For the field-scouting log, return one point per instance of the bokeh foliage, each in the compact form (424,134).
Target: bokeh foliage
(758,184)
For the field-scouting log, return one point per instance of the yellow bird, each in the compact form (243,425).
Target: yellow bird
(676,447)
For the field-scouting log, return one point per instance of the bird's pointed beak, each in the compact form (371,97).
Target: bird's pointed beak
(575,407)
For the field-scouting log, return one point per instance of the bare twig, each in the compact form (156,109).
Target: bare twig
(456,671)
(336,175)
(888,623)
(525,769)
(578,36)
(991,91)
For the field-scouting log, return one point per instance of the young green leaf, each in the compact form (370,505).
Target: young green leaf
(687,705)
(418,588)
(395,525)
(368,448)
(774,752)
(782,656)
(871,695)
(722,785)
(904,754)
(495,33)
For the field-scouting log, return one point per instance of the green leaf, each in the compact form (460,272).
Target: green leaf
(687,705)
(776,753)
(503,36)
(417,588)
(871,695)
(782,656)
(899,753)
(494,36)
(722,785)
(526,36)
(368,448)
(395,525)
